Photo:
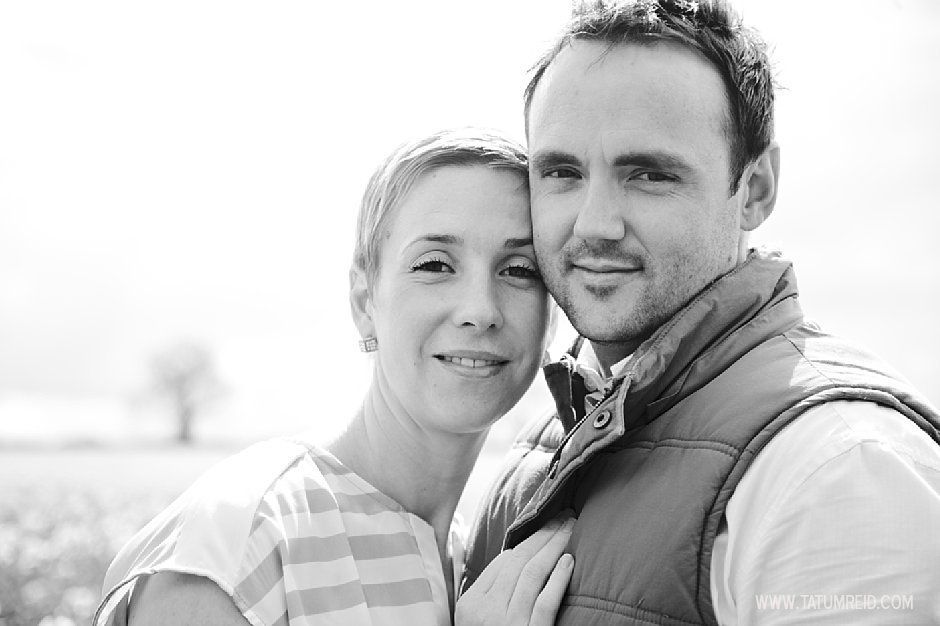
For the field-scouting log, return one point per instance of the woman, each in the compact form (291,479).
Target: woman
(445,290)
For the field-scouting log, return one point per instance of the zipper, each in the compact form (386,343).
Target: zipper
(556,458)
(553,466)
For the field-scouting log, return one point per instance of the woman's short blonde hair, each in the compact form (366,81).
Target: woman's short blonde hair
(392,181)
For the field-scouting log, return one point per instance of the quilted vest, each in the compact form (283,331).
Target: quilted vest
(650,469)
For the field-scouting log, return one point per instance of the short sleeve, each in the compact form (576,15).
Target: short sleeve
(204,532)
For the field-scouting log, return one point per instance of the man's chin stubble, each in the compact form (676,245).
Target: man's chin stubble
(601,292)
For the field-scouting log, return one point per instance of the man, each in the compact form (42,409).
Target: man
(728,462)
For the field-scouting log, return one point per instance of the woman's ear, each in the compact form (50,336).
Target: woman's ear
(760,182)
(360,302)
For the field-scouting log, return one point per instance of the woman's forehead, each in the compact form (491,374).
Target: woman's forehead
(470,202)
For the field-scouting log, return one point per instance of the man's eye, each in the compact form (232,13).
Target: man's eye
(654,177)
(561,172)
(432,265)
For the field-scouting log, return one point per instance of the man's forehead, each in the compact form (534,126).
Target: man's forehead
(658,59)
(628,93)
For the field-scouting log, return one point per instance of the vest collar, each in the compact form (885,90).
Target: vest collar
(738,311)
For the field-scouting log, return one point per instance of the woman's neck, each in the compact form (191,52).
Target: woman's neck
(422,468)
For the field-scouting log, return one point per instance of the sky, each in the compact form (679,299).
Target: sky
(192,170)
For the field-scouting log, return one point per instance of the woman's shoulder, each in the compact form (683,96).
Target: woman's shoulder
(241,481)
(226,522)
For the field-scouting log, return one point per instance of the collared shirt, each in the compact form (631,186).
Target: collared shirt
(588,366)
(294,537)
(837,520)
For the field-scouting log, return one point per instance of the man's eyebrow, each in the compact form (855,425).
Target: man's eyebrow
(550,158)
(657,160)
(645,158)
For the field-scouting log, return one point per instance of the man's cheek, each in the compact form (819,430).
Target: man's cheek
(550,230)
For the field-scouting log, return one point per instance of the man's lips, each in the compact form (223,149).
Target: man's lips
(604,267)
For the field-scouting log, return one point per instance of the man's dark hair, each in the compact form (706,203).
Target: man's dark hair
(711,28)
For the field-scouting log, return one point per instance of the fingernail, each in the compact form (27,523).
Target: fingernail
(566,560)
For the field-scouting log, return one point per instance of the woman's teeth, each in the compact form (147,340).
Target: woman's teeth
(469,362)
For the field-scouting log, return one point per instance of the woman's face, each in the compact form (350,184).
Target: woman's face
(459,308)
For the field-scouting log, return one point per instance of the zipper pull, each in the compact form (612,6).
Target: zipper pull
(556,458)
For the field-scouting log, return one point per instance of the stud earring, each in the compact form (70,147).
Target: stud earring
(369,344)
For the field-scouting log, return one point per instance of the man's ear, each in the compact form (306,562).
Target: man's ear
(360,302)
(760,183)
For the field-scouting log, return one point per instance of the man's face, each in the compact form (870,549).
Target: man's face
(629,172)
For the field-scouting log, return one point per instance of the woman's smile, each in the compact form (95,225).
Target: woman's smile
(473,363)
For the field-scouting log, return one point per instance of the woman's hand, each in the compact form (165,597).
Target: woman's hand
(522,586)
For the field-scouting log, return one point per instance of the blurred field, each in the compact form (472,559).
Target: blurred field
(64,514)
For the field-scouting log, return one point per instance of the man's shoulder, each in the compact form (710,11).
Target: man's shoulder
(523,471)
(543,431)
(829,430)
(526,464)
(868,422)
(828,440)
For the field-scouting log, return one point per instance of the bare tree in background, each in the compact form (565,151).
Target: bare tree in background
(185,375)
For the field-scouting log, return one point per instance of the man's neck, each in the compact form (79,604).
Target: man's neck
(609,353)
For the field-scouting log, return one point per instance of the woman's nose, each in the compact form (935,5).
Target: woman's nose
(479,305)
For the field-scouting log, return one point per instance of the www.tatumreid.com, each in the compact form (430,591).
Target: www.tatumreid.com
(829,602)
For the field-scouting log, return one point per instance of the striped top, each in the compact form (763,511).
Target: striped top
(295,538)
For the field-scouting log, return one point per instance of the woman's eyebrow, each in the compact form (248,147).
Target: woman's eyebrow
(512,243)
(517,242)
(450,239)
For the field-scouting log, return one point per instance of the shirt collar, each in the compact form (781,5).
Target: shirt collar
(588,358)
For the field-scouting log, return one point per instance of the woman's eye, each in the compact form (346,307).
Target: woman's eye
(522,271)
(432,265)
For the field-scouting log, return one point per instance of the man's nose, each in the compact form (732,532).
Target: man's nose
(479,305)
(601,213)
